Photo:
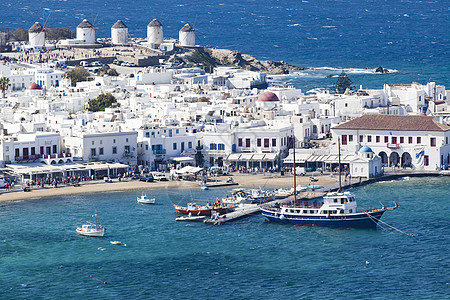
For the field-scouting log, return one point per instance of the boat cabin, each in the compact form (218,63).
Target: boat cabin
(86,227)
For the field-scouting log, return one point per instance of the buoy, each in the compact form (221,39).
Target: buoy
(367,262)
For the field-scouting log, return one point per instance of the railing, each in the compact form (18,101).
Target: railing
(159,151)
(128,154)
(28,157)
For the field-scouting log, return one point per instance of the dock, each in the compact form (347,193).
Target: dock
(235,215)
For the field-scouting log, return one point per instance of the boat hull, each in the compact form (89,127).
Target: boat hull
(96,233)
(351,220)
(199,212)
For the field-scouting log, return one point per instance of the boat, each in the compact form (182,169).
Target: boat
(336,209)
(116,242)
(282,193)
(190,218)
(204,187)
(91,229)
(260,195)
(201,210)
(145,200)
(238,196)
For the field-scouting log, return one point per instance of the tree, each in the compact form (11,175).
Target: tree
(199,158)
(77,74)
(101,102)
(113,72)
(342,83)
(59,34)
(4,85)
(20,34)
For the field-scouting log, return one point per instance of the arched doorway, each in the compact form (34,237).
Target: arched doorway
(384,158)
(394,159)
(406,160)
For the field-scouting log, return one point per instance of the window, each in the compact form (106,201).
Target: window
(433,142)
(190,145)
(274,142)
(212,146)
(426,160)
(93,152)
(361,138)
(147,134)
(386,139)
(258,142)
(33,151)
(266,143)
(402,140)
(100,151)
(114,150)
(419,140)
(101,142)
(174,146)
(146,147)
(7,148)
(127,149)
(221,146)
(410,140)
(114,141)
(93,142)
(247,143)
(350,138)
(344,140)
(369,138)
(394,140)
(55,150)
(240,142)
(377,139)
(177,131)
(126,140)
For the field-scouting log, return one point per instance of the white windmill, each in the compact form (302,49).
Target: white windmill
(155,33)
(36,35)
(86,32)
(187,36)
(119,33)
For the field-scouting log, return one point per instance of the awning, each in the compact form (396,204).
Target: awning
(246,156)
(233,157)
(270,156)
(189,169)
(258,156)
(299,158)
(183,159)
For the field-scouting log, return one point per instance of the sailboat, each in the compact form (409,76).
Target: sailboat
(336,209)
(91,229)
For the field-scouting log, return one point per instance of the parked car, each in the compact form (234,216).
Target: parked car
(147,178)
(159,176)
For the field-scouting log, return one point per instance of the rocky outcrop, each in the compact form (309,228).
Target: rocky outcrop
(247,62)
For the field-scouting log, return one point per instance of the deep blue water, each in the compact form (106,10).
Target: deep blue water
(42,257)
(410,36)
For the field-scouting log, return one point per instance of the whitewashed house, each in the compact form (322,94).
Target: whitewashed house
(366,164)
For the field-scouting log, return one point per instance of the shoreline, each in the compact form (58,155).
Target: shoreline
(328,183)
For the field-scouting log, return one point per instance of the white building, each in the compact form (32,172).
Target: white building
(119,33)
(47,77)
(187,36)
(36,35)
(366,164)
(155,33)
(407,141)
(86,32)
(109,146)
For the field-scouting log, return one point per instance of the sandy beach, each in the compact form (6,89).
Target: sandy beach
(244,180)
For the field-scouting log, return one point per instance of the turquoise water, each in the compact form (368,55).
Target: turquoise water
(410,36)
(42,257)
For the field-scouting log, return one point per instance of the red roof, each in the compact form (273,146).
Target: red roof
(34,86)
(394,123)
(268,97)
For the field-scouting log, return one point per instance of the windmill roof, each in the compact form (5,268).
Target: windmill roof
(37,27)
(85,24)
(394,123)
(154,23)
(119,24)
(187,27)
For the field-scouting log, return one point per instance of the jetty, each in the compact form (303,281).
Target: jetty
(235,215)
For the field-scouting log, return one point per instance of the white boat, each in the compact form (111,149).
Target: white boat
(145,200)
(238,196)
(190,218)
(91,229)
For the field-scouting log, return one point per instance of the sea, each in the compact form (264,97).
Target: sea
(43,258)
(410,38)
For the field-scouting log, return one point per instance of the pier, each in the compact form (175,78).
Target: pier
(235,215)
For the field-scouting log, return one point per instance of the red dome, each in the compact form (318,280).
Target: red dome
(268,97)
(34,86)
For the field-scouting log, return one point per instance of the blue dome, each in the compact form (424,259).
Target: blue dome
(365,149)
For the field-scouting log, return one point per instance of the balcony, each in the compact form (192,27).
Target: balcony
(128,154)
(159,151)
(393,146)
(28,157)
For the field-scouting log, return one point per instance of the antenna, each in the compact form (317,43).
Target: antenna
(295,173)
(339,155)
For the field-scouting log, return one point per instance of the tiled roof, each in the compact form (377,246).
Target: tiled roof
(394,122)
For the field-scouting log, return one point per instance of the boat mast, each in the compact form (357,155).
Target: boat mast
(339,155)
(293,165)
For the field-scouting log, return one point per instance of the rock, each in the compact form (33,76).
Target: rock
(381,70)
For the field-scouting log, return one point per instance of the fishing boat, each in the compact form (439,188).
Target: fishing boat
(201,210)
(145,200)
(335,209)
(238,196)
(190,218)
(91,229)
